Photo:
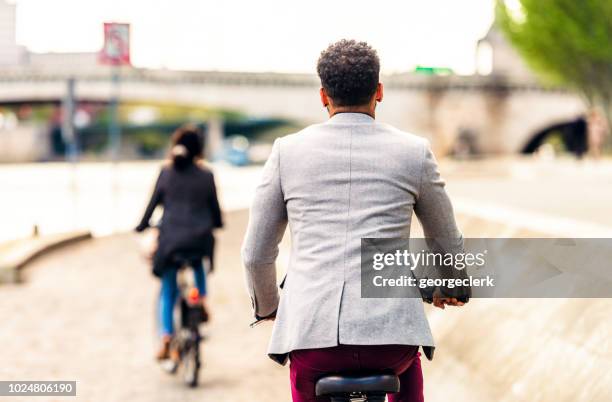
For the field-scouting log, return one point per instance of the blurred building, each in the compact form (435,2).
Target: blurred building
(28,140)
(496,56)
(14,55)
(11,54)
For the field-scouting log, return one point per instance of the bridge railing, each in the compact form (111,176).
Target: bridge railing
(404,81)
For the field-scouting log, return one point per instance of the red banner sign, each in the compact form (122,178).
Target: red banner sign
(116,50)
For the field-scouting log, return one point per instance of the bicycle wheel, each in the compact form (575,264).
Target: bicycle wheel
(191,363)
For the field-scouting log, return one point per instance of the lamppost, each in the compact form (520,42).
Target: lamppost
(68,132)
(70,139)
(116,53)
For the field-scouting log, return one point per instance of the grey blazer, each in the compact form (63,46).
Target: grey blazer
(335,183)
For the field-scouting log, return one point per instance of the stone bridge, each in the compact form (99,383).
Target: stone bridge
(499,114)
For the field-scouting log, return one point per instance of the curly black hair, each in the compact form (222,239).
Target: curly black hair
(349,72)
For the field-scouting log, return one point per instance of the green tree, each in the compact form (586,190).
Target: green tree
(567,42)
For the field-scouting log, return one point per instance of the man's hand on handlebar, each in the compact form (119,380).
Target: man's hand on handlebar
(441,302)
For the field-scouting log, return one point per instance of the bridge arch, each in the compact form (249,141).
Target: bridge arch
(572,135)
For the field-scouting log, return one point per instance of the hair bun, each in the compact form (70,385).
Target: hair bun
(187,146)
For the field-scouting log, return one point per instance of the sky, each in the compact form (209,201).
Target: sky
(262,35)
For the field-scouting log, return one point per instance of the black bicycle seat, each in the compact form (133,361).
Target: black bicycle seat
(343,384)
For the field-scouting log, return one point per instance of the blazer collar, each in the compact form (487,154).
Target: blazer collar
(350,118)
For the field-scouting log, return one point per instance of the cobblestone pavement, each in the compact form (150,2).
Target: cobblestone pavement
(86,313)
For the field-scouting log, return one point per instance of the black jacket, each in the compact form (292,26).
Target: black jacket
(191,212)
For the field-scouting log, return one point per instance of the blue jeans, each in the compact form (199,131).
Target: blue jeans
(169,293)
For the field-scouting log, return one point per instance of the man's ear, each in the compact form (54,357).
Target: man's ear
(324,98)
(379,92)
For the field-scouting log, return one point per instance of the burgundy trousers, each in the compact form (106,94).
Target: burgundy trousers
(308,365)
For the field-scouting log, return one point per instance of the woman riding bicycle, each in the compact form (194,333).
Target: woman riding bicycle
(186,190)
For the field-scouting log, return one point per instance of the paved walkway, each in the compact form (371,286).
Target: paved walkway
(86,313)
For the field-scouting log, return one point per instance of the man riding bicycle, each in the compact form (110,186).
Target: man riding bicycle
(335,183)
